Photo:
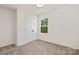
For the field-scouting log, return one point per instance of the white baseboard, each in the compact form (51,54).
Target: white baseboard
(25,42)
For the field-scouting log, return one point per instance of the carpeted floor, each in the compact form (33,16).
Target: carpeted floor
(38,47)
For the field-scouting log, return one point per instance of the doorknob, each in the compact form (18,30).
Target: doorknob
(32,30)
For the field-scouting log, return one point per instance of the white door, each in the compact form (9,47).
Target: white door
(30,28)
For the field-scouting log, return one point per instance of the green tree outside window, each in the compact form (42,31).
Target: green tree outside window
(44,25)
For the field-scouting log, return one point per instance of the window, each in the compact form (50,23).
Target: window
(44,24)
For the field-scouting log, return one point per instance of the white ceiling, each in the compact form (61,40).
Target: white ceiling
(33,7)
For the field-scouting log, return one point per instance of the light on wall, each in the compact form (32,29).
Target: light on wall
(39,5)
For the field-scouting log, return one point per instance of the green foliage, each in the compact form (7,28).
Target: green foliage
(44,25)
(44,29)
(44,22)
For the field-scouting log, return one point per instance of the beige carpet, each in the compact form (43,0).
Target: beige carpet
(38,47)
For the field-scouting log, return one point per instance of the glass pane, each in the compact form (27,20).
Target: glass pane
(44,25)
(44,29)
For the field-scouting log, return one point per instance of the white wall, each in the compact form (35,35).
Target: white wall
(20,26)
(7,27)
(63,26)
